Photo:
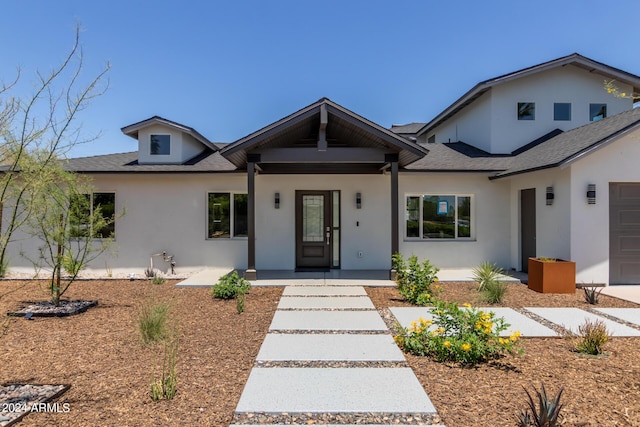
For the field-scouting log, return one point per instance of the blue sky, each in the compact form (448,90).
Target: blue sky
(229,68)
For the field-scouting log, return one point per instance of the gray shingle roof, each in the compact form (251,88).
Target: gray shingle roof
(207,161)
(408,129)
(444,157)
(570,145)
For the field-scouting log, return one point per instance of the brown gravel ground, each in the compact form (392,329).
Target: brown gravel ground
(100,355)
(598,391)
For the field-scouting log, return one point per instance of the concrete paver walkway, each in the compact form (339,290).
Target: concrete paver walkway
(329,355)
(367,378)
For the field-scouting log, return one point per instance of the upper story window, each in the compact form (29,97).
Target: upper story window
(160,145)
(562,111)
(526,110)
(432,139)
(446,216)
(597,112)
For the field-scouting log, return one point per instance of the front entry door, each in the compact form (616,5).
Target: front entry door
(313,230)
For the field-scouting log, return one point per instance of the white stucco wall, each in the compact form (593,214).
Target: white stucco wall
(490,217)
(563,84)
(163,212)
(616,162)
(553,223)
(472,125)
(491,122)
(365,230)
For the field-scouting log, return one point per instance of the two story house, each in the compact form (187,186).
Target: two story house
(538,162)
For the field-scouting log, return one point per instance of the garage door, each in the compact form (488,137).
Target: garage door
(624,233)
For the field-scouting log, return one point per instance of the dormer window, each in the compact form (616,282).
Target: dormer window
(160,145)
(597,112)
(526,110)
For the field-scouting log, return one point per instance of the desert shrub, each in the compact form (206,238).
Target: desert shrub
(545,413)
(166,386)
(72,265)
(230,286)
(152,322)
(240,303)
(486,272)
(494,291)
(158,280)
(415,279)
(592,294)
(467,335)
(150,273)
(591,337)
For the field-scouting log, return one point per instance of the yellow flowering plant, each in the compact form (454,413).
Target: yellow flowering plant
(415,279)
(461,334)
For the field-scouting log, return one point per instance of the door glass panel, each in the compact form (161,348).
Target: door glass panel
(336,230)
(312,218)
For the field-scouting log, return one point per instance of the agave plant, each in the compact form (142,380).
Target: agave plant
(592,294)
(545,414)
(486,272)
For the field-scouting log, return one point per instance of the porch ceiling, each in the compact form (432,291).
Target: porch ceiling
(298,140)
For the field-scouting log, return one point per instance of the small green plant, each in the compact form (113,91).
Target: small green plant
(592,294)
(72,265)
(152,322)
(158,280)
(486,272)
(545,413)
(150,273)
(240,303)
(591,337)
(229,286)
(415,279)
(547,259)
(467,335)
(108,269)
(494,291)
(166,386)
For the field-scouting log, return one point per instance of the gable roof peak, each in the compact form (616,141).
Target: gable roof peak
(133,129)
(575,59)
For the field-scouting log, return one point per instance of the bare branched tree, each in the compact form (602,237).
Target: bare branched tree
(39,130)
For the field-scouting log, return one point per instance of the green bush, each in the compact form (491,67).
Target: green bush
(71,265)
(494,291)
(230,286)
(158,280)
(467,335)
(414,279)
(152,322)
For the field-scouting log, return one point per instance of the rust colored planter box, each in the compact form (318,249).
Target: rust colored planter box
(552,277)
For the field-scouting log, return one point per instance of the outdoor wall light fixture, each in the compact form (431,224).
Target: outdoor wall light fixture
(550,196)
(591,194)
(276,200)
(359,200)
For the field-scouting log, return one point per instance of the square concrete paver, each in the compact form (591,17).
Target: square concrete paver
(328,321)
(324,291)
(517,321)
(335,390)
(571,318)
(325,302)
(631,315)
(329,347)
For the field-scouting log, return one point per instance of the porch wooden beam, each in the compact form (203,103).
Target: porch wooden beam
(251,273)
(392,159)
(313,155)
(322,132)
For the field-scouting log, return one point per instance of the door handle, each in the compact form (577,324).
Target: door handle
(328,237)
